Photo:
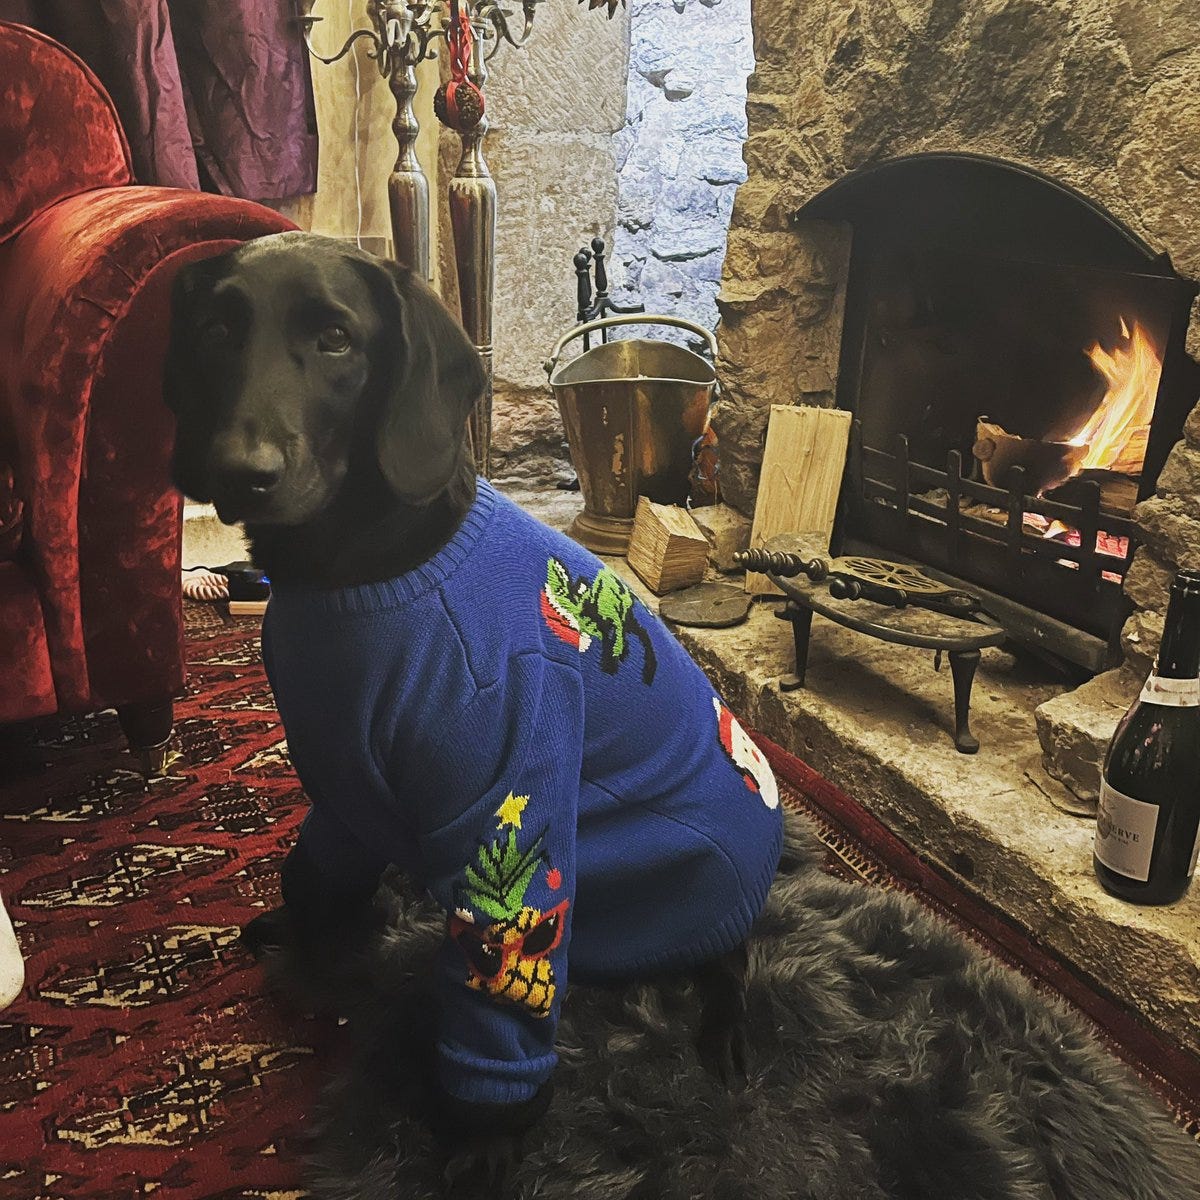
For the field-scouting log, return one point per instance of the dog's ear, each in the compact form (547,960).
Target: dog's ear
(179,376)
(436,376)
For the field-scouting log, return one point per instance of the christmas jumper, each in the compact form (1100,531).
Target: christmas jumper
(511,727)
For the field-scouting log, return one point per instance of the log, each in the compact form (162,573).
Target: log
(667,548)
(801,477)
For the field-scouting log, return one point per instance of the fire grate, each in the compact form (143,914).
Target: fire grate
(915,510)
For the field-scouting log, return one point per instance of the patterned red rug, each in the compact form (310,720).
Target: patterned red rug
(144,1057)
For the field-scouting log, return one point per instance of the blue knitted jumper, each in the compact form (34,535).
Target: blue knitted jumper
(512,728)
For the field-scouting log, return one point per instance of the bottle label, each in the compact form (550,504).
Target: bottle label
(1174,693)
(1125,833)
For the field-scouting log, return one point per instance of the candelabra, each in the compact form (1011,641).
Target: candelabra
(402,35)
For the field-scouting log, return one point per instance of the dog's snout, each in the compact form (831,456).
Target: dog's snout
(248,475)
(258,481)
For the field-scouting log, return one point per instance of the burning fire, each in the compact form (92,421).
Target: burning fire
(1117,432)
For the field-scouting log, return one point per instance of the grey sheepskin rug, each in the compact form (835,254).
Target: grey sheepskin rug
(887,1058)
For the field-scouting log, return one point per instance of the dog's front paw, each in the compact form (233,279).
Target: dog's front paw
(484,1166)
(270,933)
(483,1143)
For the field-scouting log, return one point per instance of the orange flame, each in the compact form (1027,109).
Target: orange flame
(1117,432)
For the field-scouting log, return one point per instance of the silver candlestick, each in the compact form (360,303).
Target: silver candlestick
(402,35)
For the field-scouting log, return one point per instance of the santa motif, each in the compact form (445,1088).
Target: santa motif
(746,756)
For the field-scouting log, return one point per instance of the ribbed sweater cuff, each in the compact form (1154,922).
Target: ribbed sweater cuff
(480,1081)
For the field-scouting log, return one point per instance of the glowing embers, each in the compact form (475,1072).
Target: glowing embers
(1112,545)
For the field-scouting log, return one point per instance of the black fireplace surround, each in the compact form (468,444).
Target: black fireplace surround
(975,288)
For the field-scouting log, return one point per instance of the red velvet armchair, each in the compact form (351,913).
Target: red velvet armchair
(90,608)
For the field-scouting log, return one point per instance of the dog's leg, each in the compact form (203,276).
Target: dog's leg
(721,1041)
(328,883)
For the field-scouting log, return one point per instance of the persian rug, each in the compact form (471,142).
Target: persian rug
(146,1056)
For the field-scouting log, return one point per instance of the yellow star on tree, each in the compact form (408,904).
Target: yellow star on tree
(512,808)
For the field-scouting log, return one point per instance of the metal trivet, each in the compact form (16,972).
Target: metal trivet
(852,577)
(894,602)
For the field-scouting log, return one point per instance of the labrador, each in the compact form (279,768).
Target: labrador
(467,694)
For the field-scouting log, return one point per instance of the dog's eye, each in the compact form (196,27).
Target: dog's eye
(214,333)
(333,339)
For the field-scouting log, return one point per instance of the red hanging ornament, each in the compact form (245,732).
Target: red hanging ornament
(459,103)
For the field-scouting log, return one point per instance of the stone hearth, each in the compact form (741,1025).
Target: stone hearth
(1097,96)
(876,720)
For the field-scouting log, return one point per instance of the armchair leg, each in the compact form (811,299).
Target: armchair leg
(147,726)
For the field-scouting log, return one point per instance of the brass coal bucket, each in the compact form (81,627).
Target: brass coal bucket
(632,411)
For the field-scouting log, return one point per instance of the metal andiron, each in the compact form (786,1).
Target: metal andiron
(894,602)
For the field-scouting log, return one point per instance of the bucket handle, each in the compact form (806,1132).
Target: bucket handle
(636,319)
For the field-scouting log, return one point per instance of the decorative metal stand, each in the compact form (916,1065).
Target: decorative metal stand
(404,35)
(401,36)
(893,602)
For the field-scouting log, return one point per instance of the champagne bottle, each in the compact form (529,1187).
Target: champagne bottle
(1149,811)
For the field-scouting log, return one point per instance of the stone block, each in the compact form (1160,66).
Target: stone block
(569,78)
(1074,729)
(1148,580)
(742,434)
(1180,476)
(687,221)
(1153,32)
(1171,525)
(1139,640)
(524,419)
(727,532)
(556,191)
(1159,162)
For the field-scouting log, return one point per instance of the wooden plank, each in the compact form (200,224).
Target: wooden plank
(802,468)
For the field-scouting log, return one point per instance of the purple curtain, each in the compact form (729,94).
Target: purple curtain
(212,93)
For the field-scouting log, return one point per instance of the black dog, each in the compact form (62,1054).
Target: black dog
(321,397)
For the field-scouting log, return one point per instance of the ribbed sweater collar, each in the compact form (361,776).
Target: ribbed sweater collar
(403,589)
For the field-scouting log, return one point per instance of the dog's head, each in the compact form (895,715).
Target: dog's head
(295,361)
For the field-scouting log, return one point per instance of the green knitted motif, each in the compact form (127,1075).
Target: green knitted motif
(582,611)
(498,881)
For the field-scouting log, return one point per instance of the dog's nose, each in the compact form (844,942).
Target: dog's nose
(253,474)
(257,481)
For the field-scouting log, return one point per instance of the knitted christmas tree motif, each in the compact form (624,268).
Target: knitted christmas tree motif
(582,611)
(510,959)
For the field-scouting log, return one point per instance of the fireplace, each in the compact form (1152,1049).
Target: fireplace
(1015,361)
(1066,153)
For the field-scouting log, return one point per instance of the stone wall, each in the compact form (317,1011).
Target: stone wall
(679,154)
(1097,93)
